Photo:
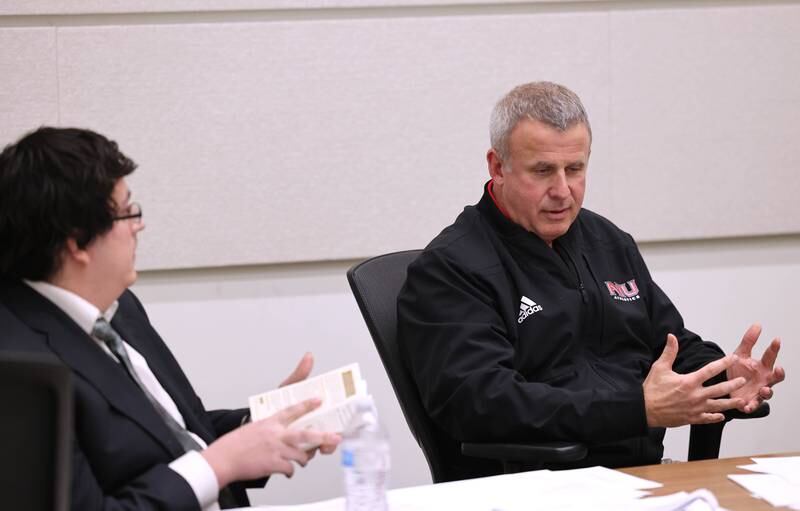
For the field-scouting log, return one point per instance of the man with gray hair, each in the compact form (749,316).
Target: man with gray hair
(532,319)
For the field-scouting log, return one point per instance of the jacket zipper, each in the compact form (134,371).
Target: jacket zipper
(581,288)
(602,313)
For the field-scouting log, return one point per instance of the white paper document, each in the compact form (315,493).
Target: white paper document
(777,480)
(698,500)
(606,476)
(596,488)
(325,505)
(333,388)
(787,467)
(340,390)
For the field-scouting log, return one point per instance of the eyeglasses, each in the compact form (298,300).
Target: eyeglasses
(134,214)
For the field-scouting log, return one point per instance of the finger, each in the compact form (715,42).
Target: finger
(300,372)
(771,353)
(709,418)
(777,376)
(284,467)
(294,412)
(332,440)
(303,437)
(329,443)
(720,405)
(712,369)
(745,348)
(294,454)
(723,388)
(327,448)
(751,406)
(670,352)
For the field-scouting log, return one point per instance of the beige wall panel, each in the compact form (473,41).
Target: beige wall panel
(705,109)
(290,141)
(28,81)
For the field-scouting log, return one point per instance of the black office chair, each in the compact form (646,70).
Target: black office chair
(35,432)
(376,284)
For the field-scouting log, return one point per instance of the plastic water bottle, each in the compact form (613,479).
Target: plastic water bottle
(365,460)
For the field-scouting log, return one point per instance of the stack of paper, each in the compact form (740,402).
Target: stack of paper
(599,489)
(596,488)
(777,481)
(341,391)
(698,500)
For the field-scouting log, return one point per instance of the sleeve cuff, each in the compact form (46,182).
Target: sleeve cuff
(200,476)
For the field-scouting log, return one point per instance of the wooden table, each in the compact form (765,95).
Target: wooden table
(710,474)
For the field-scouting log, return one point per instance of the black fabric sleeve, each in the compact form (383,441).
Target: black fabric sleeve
(456,346)
(225,421)
(158,488)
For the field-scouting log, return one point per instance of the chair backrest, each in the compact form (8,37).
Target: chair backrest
(376,283)
(35,432)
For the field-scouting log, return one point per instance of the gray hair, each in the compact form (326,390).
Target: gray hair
(546,102)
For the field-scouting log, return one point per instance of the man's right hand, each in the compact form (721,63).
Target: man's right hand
(673,399)
(268,446)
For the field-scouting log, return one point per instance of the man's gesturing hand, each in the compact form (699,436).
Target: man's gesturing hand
(267,446)
(761,375)
(300,372)
(673,399)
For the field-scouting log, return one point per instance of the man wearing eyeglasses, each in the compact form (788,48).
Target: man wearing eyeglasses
(142,438)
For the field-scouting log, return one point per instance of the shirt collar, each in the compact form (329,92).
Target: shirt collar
(490,208)
(78,309)
(490,191)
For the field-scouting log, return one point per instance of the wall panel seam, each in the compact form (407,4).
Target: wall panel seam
(21,17)
(58,74)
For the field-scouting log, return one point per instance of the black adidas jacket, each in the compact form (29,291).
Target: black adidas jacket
(510,340)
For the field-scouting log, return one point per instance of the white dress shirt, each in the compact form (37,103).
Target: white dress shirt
(191,466)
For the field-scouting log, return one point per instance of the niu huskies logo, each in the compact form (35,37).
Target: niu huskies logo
(627,292)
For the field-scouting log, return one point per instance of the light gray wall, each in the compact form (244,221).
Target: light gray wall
(239,331)
(274,135)
(323,130)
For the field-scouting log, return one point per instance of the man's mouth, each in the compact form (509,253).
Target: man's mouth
(556,212)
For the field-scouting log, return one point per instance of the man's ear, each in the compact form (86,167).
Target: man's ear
(495,166)
(73,252)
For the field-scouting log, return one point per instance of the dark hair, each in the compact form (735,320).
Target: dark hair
(55,184)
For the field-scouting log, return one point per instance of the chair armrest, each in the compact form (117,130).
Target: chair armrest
(704,439)
(534,453)
(758,413)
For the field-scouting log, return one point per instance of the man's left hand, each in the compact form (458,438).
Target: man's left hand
(761,375)
(300,372)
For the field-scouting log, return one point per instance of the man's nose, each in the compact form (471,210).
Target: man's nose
(559,188)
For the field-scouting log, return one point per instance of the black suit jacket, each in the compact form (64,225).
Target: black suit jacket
(122,447)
